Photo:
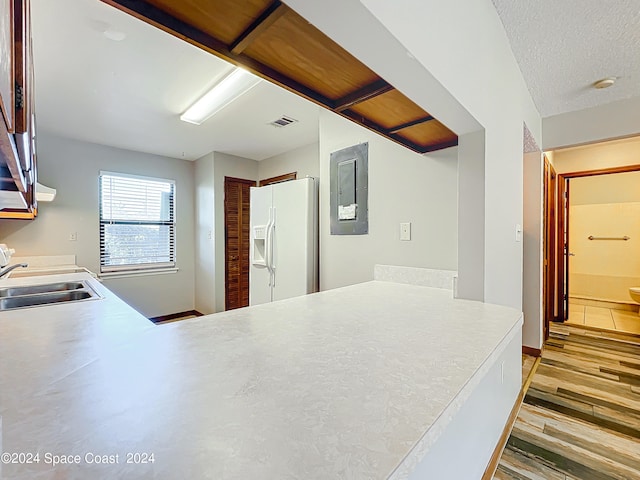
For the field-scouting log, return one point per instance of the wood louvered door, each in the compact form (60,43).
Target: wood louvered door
(237,223)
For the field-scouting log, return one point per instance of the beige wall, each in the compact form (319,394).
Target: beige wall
(403,187)
(73,167)
(612,188)
(604,206)
(616,153)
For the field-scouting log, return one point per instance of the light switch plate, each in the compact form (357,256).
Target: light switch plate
(405,231)
(518,232)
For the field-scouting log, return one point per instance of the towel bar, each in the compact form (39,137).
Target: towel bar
(625,238)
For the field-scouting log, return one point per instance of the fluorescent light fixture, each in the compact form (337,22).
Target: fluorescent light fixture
(232,86)
(44,193)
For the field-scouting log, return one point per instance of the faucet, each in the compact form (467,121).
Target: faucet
(4,271)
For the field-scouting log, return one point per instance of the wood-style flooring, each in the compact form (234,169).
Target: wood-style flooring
(581,416)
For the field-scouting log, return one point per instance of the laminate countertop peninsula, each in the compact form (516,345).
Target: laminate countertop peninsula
(360,382)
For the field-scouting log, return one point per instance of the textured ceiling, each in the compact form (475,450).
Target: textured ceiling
(564,46)
(129,93)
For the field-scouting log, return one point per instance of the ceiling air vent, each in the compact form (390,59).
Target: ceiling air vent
(283,121)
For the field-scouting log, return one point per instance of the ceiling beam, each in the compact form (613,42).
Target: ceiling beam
(362,95)
(428,118)
(168,23)
(371,125)
(146,11)
(439,146)
(262,23)
(398,138)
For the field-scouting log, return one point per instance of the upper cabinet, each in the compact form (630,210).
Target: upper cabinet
(17,128)
(7,66)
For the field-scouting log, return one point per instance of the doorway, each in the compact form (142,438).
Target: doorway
(237,221)
(598,234)
(237,206)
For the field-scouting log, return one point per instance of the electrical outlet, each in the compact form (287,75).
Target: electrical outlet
(73,236)
(210,235)
(405,231)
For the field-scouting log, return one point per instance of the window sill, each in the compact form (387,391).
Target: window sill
(136,273)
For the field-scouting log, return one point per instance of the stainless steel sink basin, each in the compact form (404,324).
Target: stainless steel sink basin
(40,295)
(9,303)
(35,289)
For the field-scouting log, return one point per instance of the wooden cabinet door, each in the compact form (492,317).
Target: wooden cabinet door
(237,223)
(17,122)
(7,63)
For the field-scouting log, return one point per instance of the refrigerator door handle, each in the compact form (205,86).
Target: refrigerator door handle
(267,253)
(271,242)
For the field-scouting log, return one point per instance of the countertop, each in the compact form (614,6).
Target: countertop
(355,382)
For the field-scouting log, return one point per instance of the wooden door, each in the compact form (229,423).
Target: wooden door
(550,250)
(566,253)
(237,223)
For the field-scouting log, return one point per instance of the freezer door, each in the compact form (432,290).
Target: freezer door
(294,238)
(259,289)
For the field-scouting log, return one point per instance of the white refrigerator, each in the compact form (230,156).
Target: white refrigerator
(284,241)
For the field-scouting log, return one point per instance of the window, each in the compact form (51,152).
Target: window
(137,223)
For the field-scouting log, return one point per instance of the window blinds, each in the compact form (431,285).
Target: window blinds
(137,223)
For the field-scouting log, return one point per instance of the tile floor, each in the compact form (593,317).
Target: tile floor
(601,317)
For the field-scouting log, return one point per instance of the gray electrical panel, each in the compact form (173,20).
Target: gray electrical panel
(348,184)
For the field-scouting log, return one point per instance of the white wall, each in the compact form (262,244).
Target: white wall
(462,70)
(205,265)
(225,165)
(613,120)
(471,216)
(532,231)
(403,187)
(72,167)
(303,160)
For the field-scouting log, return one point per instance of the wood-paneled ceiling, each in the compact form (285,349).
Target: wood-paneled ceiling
(269,39)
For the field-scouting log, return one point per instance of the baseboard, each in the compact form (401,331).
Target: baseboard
(534,352)
(492,466)
(604,303)
(601,329)
(173,316)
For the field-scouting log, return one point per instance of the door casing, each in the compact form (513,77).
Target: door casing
(550,253)
(562,237)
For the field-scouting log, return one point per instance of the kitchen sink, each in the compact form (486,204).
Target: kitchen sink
(34,289)
(12,298)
